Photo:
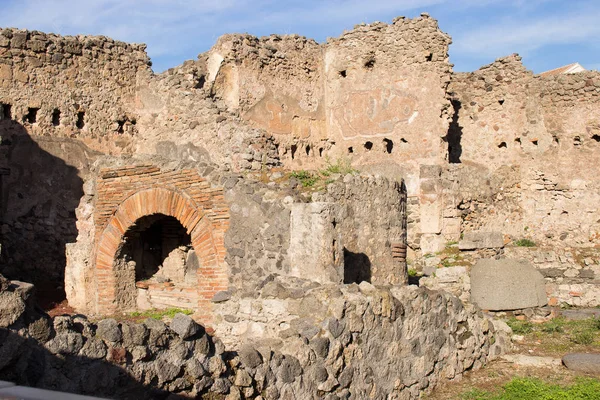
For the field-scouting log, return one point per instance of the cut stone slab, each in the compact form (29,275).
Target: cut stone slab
(580,314)
(507,284)
(583,362)
(481,240)
(531,361)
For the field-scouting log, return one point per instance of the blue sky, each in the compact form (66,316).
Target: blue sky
(546,33)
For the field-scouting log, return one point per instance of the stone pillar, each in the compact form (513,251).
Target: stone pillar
(316,251)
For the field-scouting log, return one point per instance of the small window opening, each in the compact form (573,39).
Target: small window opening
(6,111)
(370,63)
(200,83)
(294,149)
(502,145)
(368,146)
(577,141)
(80,120)
(518,140)
(596,138)
(389,145)
(333,247)
(320,152)
(350,150)
(501,101)
(121,125)
(429,57)
(535,142)
(31,116)
(343,73)
(56,117)
(307,149)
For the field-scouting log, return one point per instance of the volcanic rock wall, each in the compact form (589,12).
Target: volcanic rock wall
(357,342)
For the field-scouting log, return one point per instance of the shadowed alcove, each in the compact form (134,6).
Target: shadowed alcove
(155,260)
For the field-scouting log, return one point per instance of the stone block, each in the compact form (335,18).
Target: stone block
(316,251)
(583,362)
(507,284)
(481,240)
(431,217)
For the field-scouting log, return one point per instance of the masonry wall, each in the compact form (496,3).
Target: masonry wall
(375,95)
(535,140)
(333,348)
(62,100)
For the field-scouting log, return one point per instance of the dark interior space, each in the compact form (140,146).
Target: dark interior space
(40,190)
(143,257)
(357,267)
(454,135)
(150,241)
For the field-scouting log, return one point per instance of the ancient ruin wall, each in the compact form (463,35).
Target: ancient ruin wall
(355,342)
(60,98)
(545,131)
(376,93)
(78,86)
(97,283)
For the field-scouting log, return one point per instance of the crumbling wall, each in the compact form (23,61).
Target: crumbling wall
(61,99)
(355,96)
(72,87)
(356,342)
(545,130)
(371,219)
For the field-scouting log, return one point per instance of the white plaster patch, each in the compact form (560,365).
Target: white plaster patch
(412,117)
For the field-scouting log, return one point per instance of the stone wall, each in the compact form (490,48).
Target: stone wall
(371,219)
(240,226)
(360,341)
(355,96)
(531,142)
(61,98)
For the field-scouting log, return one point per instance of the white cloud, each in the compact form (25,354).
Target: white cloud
(528,34)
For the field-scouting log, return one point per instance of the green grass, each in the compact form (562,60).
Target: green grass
(306,178)
(341,166)
(160,314)
(525,243)
(536,389)
(322,177)
(560,333)
(413,273)
(520,327)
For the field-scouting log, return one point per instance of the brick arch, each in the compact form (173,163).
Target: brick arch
(212,276)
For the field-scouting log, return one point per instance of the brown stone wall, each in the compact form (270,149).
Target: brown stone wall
(376,95)
(88,79)
(62,99)
(529,148)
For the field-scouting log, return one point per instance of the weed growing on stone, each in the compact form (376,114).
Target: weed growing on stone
(341,166)
(525,243)
(413,273)
(306,178)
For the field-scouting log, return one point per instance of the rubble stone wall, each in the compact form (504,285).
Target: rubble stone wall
(531,142)
(360,341)
(376,93)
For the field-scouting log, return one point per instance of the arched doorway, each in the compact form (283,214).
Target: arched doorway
(146,225)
